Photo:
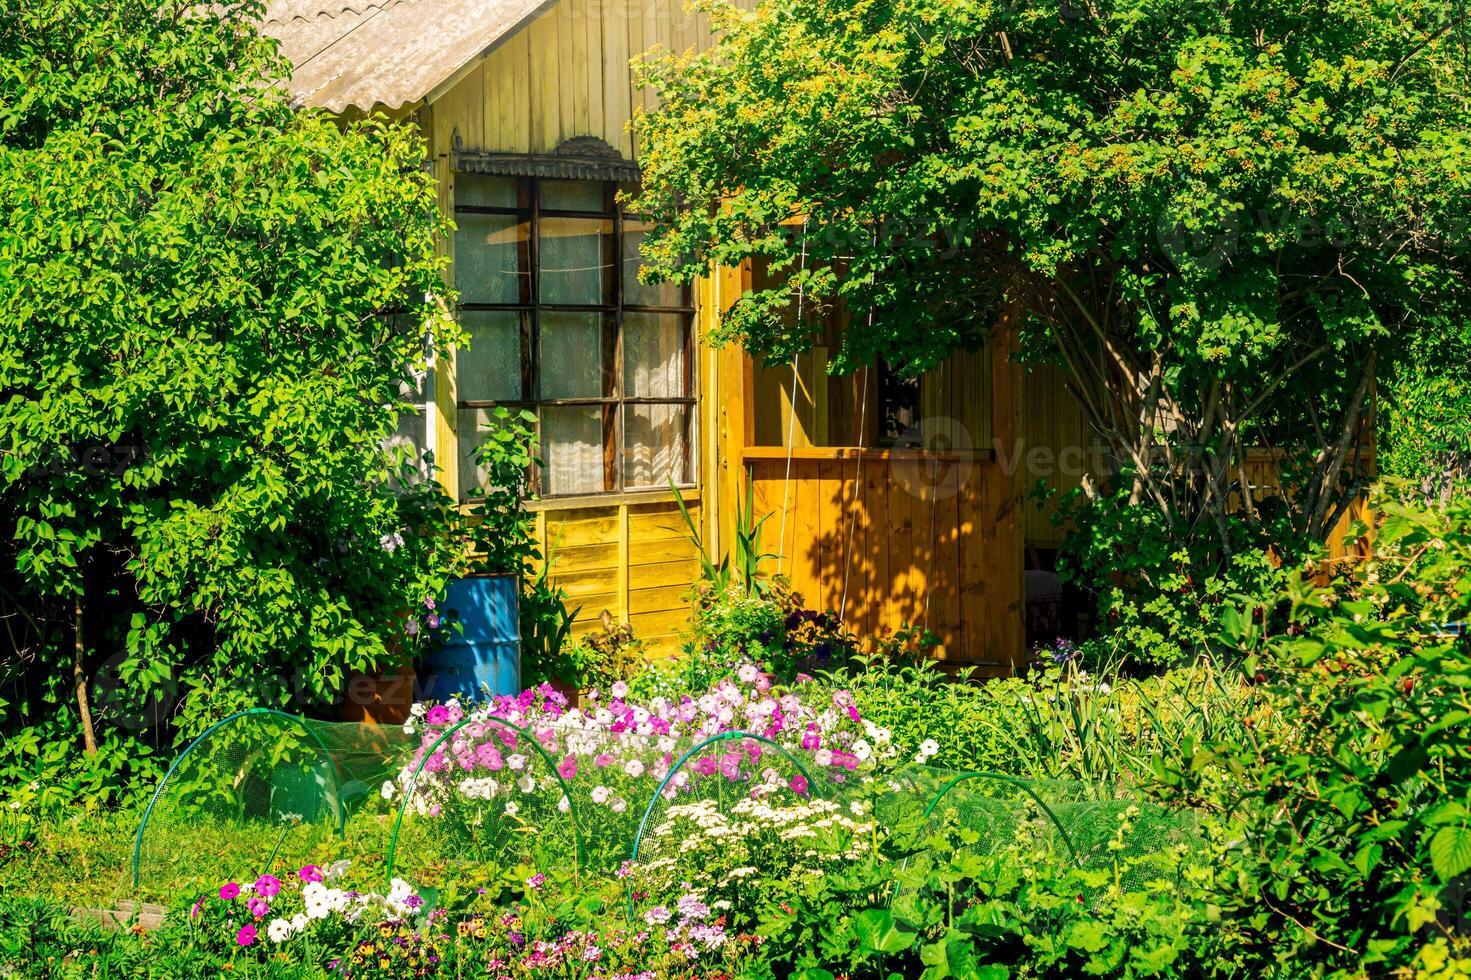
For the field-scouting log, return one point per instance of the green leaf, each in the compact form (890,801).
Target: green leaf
(1450,851)
(878,931)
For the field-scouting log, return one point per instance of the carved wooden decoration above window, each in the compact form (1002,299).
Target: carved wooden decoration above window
(580,158)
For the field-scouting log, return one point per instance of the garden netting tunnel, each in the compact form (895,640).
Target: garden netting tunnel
(478,801)
(258,790)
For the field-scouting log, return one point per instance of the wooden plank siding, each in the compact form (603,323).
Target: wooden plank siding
(631,559)
(566,74)
(888,553)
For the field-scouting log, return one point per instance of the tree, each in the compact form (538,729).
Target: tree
(1221,219)
(211,306)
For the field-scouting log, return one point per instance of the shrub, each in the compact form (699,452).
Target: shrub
(213,305)
(1346,799)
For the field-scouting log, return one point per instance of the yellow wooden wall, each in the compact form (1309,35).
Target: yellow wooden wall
(631,559)
(566,75)
(886,537)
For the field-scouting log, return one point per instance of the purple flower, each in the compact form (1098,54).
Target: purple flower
(432,621)
(429,602)
(437,715)
(268,886)
(245,936)
(799,785)
(536,881)
(309,874)
(229,891)
(412,627)
(258,907)
(568,767)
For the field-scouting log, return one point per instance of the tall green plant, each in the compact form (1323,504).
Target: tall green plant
(740,566)
(1219,220)
(1343,806)
(210,305)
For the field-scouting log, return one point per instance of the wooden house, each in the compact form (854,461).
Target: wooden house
(892,501)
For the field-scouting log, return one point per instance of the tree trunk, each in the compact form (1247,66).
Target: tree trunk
(79,679)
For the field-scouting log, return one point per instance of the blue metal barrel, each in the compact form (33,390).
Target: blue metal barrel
(484,656)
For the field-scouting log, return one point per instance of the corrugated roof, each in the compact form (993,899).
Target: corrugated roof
(370,53)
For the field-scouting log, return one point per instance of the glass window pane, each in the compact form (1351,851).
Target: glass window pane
(572,448)
(489,251)
(479,190)
(656,445)
(634,292)
(472,428)
(572,355)
(573,195)
(654,356)
(417,386)
(489,369)
(575,269)
(411,439)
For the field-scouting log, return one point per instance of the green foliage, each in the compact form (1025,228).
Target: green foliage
(546,623)
(1161,600)
(503,533)
(1102,729)
(1346,802)
(502,537)
(741,570)
(965,907)
(1218,219)
(1425,419)
(595,660)
(211,308)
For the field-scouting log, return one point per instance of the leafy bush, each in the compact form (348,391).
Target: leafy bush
(1160,599)
(211,308)
(1344,807)
(962,910)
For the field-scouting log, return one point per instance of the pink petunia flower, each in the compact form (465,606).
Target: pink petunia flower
(246,936)
(229,891)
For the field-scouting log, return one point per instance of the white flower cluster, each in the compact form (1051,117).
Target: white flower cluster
(322,900)
(928,749)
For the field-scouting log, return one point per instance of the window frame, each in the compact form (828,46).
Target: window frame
(615,400)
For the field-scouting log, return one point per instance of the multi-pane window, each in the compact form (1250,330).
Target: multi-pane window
(547,272)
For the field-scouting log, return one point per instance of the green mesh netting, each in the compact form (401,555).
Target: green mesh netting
(484,803)
(259,790)
(732,803)
(479,803)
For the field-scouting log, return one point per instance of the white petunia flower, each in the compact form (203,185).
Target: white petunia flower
(279,930)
